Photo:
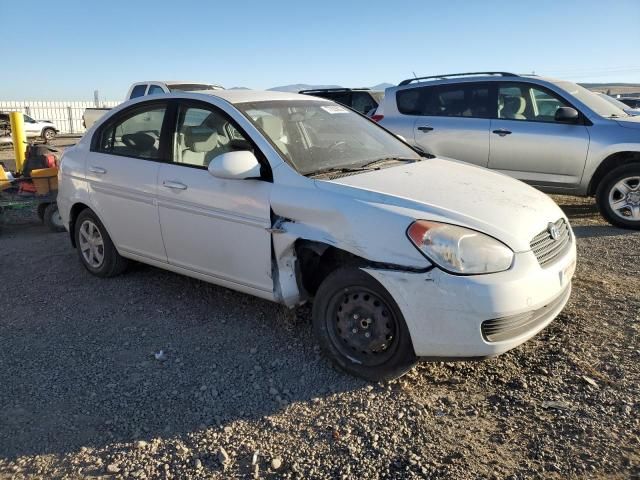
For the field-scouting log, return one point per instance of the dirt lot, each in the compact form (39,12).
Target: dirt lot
(243,387)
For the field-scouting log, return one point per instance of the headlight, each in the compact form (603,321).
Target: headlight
(458,249)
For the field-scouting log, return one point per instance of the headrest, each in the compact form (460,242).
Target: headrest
(514,105)
(200,139)
(272,126)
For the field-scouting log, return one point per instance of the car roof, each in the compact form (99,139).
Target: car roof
(242,96)
(474,77)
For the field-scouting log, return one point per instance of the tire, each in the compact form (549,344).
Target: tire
(96,251)
(350,299)
(48,134)
(40,211)
(51,217)
(610,191)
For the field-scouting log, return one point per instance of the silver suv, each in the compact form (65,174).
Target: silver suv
(552,134)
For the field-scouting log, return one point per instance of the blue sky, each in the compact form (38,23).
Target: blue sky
(68,48)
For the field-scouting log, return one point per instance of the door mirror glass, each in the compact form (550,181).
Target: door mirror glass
(566,115)
(238,165)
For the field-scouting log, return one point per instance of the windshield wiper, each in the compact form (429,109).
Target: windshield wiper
(390,159)
(325,171)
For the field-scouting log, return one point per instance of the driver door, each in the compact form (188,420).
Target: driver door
(211,226)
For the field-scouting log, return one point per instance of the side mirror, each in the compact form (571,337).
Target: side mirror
(235,165)
(566,115)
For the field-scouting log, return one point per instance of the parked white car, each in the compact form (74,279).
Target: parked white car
(45,129)
(290,197)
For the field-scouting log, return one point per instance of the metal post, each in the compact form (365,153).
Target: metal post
(96,99)
(19,138)
(70,113)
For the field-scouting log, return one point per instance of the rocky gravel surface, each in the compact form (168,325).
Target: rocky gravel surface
(154,375)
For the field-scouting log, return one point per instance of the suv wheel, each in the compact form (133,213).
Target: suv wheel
(618,196)
(97,252)
(48,134)
(360,326)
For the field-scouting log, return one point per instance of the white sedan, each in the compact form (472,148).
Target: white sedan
(291,198)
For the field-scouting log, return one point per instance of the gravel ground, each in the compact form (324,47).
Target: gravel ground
(241,389)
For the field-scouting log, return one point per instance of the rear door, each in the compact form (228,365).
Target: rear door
(529,144)
(122,170)
(213,226)
(450,120)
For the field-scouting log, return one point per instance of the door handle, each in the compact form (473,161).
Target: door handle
(98,170)
(174,185)
(502,132)
(425,128)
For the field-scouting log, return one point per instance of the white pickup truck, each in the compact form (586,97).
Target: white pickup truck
(141,89)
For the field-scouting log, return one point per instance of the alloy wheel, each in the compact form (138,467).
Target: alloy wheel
(91,244)
(624,198)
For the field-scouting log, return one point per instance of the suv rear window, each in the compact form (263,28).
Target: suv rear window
(463,100)
(138,91)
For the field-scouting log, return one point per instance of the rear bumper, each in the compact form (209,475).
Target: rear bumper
(451,316)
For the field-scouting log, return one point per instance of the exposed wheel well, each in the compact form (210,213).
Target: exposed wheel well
(316,260)
(75,211)
(612,161)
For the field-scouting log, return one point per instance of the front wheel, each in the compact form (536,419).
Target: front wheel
(618,196)
(360,327)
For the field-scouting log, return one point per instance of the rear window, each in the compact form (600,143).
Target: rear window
(138,91)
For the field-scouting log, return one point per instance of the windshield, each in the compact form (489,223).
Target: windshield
(316,136)
(613,101)
(193,87)
(596,103)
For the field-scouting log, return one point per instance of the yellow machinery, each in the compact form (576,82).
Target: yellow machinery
(19,139)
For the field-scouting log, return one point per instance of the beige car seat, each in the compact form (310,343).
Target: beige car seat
(514,108)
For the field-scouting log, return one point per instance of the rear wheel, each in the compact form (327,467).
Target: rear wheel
(48,134)
(360,326)
(618,196)
(97,252)
(51,217)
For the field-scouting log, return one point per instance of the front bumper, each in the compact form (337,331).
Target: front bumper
(445,313)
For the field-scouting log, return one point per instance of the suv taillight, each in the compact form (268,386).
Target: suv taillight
(377,118)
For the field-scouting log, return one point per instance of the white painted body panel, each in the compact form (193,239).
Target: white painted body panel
(216,226)
(124,197)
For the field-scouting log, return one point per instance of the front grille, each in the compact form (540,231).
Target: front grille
(506,328)
(546,248)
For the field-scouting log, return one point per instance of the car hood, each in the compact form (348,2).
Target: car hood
(458,193)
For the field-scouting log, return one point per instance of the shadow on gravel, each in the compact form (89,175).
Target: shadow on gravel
(597,231)
(77,364)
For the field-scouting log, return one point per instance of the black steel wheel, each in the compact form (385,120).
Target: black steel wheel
(361,327)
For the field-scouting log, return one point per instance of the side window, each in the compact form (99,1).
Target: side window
(154,90)
(362,102)
(136,134)
(138,91)
(202,134)
(28,119)
(466,100)
(526,102)
(340,97)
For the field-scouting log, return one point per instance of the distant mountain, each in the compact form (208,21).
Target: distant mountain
(238,88)
(382,86)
